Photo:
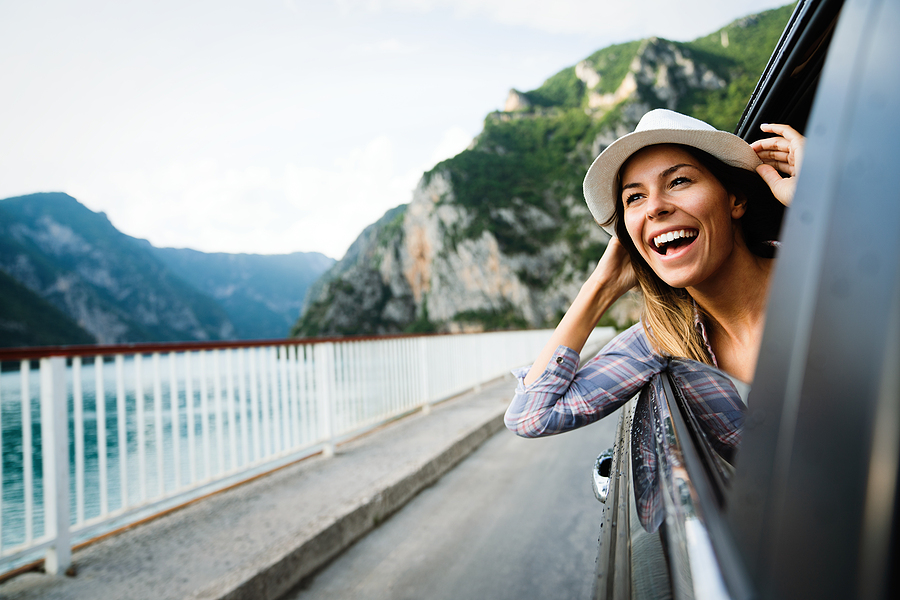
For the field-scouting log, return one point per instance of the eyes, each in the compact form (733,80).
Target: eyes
(630,199)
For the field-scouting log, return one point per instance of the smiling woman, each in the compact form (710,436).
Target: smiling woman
(694,215)
(719,265)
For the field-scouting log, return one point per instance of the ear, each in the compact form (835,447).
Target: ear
(738,205)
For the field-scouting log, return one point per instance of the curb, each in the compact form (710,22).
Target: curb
(282,569)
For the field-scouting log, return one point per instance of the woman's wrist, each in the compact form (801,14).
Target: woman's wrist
(605,289)
(596,296)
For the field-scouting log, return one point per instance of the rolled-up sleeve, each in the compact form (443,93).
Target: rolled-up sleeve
(565,397)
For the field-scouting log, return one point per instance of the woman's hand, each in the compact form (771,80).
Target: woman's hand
(614,271)
(784,153)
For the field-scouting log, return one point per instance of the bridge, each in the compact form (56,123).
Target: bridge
(266,459)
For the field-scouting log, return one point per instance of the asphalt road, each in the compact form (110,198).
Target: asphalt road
(515,520)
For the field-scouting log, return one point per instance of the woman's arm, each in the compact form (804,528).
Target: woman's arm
(566,397)
(612,277)
(784,153)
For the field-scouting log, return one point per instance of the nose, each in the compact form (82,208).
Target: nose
(658,205)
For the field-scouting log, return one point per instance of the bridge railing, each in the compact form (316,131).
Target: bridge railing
(95,438)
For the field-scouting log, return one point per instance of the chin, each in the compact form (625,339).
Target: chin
(678,281)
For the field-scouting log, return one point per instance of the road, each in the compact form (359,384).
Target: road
(515,520)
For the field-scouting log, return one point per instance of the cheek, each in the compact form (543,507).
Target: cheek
(633,227)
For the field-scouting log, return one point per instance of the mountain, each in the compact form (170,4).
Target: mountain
(499,236)
(110,284)
(261,294)
(68,276)
(26,319)
(352,289)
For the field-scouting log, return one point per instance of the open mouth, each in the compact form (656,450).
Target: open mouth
(672,240)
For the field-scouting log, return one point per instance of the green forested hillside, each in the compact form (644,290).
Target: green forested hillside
(738,53)
(56,253)
(750,42)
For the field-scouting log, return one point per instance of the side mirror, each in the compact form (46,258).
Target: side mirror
(601,473)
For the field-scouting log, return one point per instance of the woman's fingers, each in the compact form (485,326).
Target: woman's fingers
(772,144)
(776,154)
(785,131)
(784,151)
(782,163)
(772,149)
(782,187)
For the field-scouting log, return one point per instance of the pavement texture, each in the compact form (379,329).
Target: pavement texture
(262,538)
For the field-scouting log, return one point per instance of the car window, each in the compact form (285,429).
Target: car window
(713,411)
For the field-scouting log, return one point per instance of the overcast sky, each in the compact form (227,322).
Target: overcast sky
(274,126)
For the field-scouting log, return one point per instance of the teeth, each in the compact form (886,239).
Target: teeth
(665,238)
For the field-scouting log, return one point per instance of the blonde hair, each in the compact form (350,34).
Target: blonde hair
(669,317)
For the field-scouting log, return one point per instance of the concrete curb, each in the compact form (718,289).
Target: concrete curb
(279,570)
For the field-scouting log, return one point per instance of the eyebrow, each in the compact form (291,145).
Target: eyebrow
(662,175)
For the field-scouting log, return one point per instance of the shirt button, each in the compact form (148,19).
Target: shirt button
(559,360)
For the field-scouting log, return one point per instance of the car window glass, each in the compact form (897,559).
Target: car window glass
(713,410)
(713,404)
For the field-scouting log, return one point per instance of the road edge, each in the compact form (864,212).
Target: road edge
(284,571)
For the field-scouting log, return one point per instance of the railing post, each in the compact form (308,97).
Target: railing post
(478,364)
(55,458)
(423,378)
(324,360)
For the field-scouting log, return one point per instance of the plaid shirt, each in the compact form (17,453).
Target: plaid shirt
(565,398)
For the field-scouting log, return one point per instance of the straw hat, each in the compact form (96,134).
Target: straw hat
(659,126)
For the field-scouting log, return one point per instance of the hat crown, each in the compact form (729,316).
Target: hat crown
(662,118)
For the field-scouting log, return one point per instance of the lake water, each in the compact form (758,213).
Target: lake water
(245,424)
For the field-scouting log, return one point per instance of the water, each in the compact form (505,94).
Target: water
(245,422)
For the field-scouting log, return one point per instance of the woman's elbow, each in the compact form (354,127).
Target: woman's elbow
(525,425)
(513,423)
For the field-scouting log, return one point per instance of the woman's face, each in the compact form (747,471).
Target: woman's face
(679,217)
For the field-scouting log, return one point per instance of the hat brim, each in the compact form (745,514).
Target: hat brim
(600,181)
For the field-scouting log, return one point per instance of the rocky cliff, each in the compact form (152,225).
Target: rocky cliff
(499,236)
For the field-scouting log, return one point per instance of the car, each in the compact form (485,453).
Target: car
(794,495)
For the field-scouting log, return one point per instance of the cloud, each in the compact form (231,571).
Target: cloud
(387,47)
(208,207)
(205,206)
(341,201)
(686,19)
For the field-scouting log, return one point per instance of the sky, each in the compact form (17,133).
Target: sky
(277,126)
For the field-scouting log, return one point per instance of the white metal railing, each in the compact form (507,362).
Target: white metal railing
(122,433)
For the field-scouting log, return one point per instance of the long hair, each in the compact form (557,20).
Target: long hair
(669,313)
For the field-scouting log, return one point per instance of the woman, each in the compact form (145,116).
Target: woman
(693,214)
